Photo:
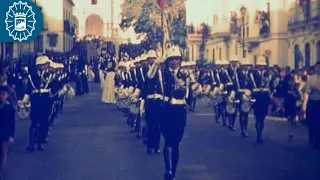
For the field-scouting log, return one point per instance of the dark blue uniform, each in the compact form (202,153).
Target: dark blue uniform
(175,116)
(40,86)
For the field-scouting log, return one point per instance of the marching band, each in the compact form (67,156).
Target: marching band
(157,90)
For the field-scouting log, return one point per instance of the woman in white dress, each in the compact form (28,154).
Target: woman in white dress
(108,91)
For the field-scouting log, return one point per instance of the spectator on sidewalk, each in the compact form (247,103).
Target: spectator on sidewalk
(292,98)
(7,124)
(312,106)
(12,94)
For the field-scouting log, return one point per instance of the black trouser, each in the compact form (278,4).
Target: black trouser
(260,112)
(260,118)
(220,112)
(153,117)
(313,114)
(232,119)
(85,84)
(39,125)
(172,128)
(244,120)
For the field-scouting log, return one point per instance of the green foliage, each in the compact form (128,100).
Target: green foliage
(144,17)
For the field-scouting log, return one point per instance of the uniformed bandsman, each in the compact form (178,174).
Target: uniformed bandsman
(246,101)
(174,113)
(220,107)
(38,92)
(153,107)
(262,93)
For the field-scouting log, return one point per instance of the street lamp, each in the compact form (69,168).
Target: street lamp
(243,11)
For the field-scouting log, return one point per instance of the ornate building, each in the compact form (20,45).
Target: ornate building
(304,33)
(248,34)
(58,29)
(95,18)
(194,43)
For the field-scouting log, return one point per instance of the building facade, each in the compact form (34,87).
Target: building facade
(58,29)
(249,34)
(194,43)
(304,34)
(95,18)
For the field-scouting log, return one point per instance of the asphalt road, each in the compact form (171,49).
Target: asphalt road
(92,142)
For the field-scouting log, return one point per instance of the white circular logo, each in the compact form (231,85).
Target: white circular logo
(20,21)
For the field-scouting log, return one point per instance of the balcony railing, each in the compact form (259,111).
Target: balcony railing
(298,18)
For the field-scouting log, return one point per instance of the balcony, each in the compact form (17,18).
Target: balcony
(298,17)
(226,36)
(67,28)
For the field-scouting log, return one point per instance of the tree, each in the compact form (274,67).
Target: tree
(144,17)
(205,32)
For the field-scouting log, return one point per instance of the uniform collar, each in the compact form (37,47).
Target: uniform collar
(174,70)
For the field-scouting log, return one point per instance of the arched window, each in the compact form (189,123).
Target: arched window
(236,49)
(296,53)
(192,55)
(318,50)
(213,54)
(307,54)
(219,53)
(207,54)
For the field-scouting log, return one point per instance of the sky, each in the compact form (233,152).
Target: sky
(199,11)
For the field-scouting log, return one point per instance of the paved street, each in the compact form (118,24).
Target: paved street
(92,142)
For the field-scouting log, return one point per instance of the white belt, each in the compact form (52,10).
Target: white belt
(41,91)
(158,96)
(175,101)
(261,89)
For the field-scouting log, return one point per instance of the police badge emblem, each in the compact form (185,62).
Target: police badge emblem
(20,21)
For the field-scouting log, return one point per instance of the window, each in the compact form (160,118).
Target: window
(94,2)
(192,50)
(213,54)
(318,50)
(307,54)
(236,49)
(207,54)
(247,31)
(255,58)
(220,53)
(38,44)
(296,53)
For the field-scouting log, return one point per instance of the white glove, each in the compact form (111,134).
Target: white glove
(25,99)
(160,60)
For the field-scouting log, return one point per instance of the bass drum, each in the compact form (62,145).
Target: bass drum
(220,98)
(231,108)
(246,106)
(134,108)
(23,111)
(214,101)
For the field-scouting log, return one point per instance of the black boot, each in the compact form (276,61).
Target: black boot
(32,139)
(40,147)
(167,151)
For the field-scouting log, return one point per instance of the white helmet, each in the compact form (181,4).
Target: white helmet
(261,61)
(174,51)
(245,62)
(152,54)
(42,60)
(234,59)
